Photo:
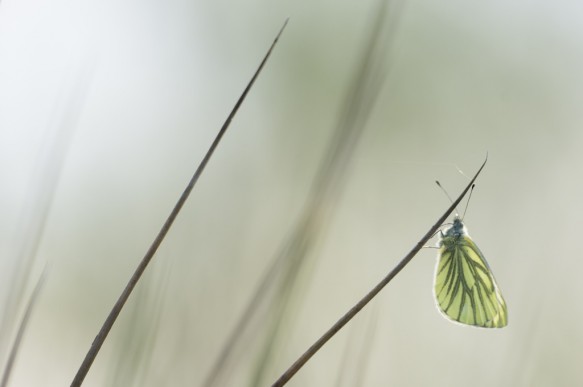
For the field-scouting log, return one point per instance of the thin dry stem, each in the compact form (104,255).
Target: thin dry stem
(110,320)
(303,359)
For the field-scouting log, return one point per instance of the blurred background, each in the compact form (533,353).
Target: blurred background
(107,107)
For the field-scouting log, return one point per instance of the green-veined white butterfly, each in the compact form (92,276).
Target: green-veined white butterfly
(465,288)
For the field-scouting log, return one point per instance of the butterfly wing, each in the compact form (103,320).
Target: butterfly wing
(465,288)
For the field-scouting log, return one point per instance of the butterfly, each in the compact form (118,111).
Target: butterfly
(465,288)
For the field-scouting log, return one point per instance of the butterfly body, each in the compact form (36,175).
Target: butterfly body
(465,288)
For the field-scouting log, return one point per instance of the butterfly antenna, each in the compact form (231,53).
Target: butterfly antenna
(446,194)
(468,202)
(461,172)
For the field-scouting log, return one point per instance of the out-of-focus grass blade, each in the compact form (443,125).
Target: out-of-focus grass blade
(66,113)
(131,365)
(112,317)
(357,352)
(280,281)
(21,329)
(359,102)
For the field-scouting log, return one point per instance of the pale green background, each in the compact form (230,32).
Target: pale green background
(145,85)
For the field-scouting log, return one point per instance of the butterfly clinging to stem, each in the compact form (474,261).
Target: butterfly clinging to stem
(465,288)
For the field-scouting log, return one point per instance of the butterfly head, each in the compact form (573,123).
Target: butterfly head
(457,229)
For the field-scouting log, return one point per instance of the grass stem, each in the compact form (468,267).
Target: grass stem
(311,351)
(110,320)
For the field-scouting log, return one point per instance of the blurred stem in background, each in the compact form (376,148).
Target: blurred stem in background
(275,301)
(49,165)
(21,329)
(357,351)
(137,338)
